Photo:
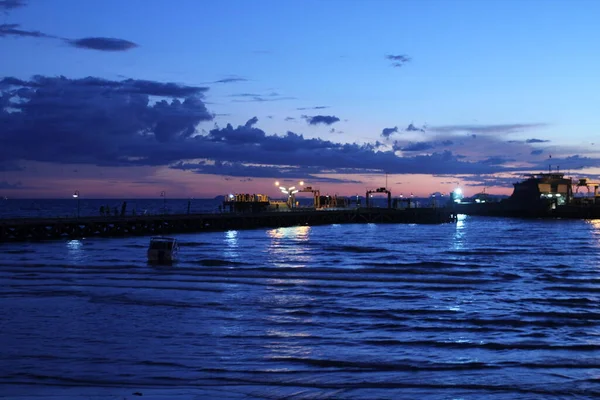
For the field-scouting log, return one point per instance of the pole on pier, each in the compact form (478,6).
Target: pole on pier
(76,195)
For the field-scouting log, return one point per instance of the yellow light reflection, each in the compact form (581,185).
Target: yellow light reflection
(288,246)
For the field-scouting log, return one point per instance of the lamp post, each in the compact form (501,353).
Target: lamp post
(76,196)
(290,192)
(163,194)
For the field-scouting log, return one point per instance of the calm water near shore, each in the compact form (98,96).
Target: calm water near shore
(484,308)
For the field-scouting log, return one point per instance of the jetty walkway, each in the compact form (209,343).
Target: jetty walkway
(37,229)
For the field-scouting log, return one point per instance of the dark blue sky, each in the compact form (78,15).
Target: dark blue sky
(199,98)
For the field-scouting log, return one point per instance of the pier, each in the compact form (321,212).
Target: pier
(34,229)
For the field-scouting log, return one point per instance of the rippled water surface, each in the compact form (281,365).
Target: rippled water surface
(484,308)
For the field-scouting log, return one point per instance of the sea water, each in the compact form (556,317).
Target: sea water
(482,308)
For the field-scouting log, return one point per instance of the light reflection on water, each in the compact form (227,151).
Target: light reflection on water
(75,252)
(231,244)
(286,248)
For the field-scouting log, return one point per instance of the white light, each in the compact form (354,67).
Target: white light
(292,188)
(301,183)
(276,183)
(231,196)
(458,191)
(295,191)
(282,188)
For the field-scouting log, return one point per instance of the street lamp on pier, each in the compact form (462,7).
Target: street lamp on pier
(290,192)
(76,196)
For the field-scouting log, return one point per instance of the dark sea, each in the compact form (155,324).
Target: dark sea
(485,308)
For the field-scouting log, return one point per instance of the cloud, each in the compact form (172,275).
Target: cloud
(7,5)
(93,120)
(536,152)
(497,160)
(255,97)
(398,60)
(231,80)
(312,108)
(536,141)
(483,129)
(289,119)
(321,119)
(412,128)
(386,132)
(418,146)
(93,43)
(102,44)
(7,30)
(6,185)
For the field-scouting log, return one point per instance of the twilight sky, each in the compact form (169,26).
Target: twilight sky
(129,98)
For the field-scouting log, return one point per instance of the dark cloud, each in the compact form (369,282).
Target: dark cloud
(7,5)
(8,165)
(322,119)
(574,162)
(418,146)
(398,60)
(447,143)
(93,120)
(474,129)
(536,152)
(290,119)
(536,141)
(145,123)
(491,180)
(6,185)
(412,128)
(497,160)
(7,30)
(102,44)
(386,132)
(94,43)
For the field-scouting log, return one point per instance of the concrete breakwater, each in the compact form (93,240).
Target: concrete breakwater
(34,229)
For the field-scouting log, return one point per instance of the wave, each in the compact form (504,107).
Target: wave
(585,347)
(209,262)
(356,249)
(407,365)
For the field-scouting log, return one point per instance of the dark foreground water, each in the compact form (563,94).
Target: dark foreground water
(485,308)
